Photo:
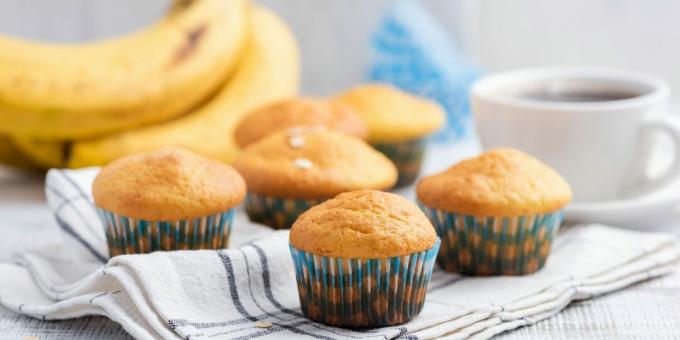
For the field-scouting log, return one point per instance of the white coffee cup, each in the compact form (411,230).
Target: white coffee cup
(596,127)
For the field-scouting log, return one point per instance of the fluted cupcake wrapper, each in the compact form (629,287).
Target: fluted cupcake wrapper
(407,156)
(494,245)
(127,235)
(276,212)
(351,292)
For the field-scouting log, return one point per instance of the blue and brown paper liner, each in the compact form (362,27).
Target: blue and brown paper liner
(277,212)
(493,245)
(126,235)
(407,156)
(352,292)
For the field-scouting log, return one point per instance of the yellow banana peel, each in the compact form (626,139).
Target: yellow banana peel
(67,91)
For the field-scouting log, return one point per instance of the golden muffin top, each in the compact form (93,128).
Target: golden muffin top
(391,114)
(295,112)
(363,224)
(313,163)
(167,184)
(499,182)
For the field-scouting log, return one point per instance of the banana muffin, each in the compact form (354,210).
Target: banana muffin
(496,214)
(293,112)
(167,199)
(397,122)
(290,171)
(363,259)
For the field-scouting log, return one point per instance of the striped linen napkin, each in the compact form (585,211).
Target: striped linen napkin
(250,291)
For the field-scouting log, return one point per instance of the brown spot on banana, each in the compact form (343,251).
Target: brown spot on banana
(66,152)
(180,5)
(193,38)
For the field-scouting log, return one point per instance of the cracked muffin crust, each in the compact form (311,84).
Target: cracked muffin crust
(363,224)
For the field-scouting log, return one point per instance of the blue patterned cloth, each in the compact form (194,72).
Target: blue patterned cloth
(413,52)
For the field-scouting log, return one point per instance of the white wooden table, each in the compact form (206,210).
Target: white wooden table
(646,310)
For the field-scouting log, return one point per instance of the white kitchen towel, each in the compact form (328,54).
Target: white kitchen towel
(239,292)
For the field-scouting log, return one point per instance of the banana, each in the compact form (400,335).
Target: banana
(268,71)
(43,154)
(69,91)
(11,155)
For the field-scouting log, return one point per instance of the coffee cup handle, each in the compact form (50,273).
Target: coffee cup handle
(670,126)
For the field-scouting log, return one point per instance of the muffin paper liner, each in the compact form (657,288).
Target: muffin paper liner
(126,235)
(493,245)
(276,212)
(407,156)
(353,292)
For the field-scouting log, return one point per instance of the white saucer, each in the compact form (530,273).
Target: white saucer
(643,212)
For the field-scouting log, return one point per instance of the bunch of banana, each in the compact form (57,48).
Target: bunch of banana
(186,81)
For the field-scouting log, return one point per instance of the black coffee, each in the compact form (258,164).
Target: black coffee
(578,96)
